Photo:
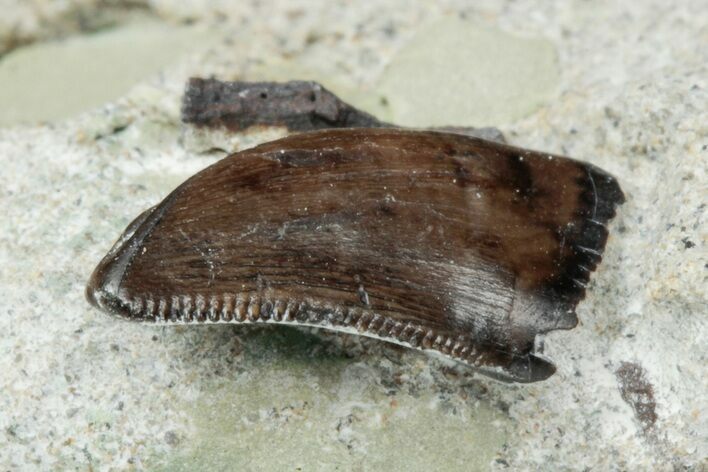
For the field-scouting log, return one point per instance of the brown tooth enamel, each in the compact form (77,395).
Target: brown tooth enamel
(449,243)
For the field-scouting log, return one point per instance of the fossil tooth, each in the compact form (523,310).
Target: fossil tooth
(448,243)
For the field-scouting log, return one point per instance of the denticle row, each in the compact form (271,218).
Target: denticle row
(240,309)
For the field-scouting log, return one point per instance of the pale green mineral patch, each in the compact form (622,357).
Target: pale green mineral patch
(296,407)
(55,80)
(458,73)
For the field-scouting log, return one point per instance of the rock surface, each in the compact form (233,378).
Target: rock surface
(84,391)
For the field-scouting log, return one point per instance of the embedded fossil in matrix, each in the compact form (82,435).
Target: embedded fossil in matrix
(436,240)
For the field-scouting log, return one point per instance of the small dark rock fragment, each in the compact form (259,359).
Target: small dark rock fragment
(172,438)
(687,243)
(637,392)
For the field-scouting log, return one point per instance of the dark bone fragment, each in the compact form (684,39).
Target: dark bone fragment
(447,243)
(296,105)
